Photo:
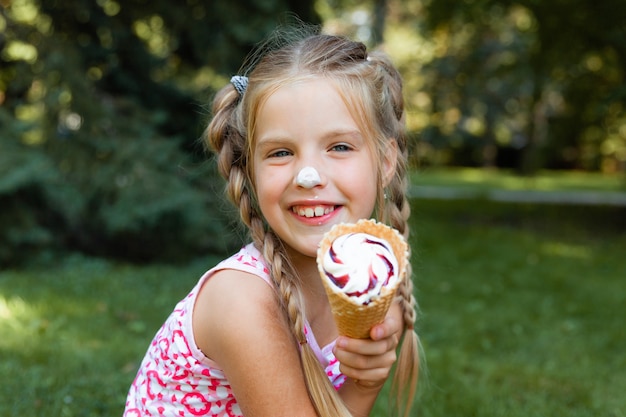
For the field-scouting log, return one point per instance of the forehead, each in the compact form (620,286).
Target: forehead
(305,106)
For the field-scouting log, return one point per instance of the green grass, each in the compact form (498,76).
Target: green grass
(73,336)
(521,315)
(522,309)
(486,179)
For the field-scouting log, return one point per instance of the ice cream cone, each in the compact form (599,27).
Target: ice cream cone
(354,319)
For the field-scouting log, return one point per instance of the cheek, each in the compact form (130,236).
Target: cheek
(361,184)
(269,185)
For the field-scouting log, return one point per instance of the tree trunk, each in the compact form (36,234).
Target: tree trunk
(378,23)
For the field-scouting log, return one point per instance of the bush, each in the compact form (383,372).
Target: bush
(132,194)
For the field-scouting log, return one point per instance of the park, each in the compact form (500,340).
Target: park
(111,209)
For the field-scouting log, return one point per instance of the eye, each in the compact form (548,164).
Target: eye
(279,154)
(341,147)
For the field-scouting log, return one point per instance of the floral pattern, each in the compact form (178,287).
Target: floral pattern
(176,380)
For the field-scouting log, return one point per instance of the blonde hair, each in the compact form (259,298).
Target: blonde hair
(372,90)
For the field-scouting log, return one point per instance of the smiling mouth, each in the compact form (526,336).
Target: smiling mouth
(312,211)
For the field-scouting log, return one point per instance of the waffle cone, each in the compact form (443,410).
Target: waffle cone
(354,319)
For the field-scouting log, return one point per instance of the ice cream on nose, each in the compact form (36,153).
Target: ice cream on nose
(308,177)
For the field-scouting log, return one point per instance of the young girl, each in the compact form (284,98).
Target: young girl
(313,137)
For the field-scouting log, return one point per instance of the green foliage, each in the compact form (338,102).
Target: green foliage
(538,84)
(528,85)
(91,171)
(125,196)
(102,104)
(26,175)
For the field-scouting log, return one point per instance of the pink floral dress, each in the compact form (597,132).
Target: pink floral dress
(176,379)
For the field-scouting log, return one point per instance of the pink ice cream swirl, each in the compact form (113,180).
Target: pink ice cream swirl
(360,265)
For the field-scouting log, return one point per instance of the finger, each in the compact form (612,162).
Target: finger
(367,377)
(387,328)
(367,368)
(367,347)
(354,360)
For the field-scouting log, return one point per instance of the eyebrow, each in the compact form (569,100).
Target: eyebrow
(344,132)
(280,139)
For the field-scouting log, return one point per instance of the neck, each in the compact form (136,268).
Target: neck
(309,278)
(316,306)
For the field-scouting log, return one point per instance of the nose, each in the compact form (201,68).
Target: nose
(308,177)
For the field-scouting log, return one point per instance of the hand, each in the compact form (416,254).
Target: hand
(368,361)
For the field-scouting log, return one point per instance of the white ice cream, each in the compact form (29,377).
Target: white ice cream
(360,265)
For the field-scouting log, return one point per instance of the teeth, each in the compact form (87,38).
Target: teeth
(316,211)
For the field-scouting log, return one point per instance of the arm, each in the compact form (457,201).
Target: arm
(238,324)
(367,363)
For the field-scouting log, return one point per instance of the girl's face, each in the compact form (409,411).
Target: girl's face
(307,124)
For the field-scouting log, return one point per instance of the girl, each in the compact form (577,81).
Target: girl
(314,137)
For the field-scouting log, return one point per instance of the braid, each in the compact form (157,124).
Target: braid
(395,211)
(287,291)
(323,395)
(220,135)
(405,379)
(396,208)
(226,136)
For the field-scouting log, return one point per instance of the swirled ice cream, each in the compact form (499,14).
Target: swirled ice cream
(360,265)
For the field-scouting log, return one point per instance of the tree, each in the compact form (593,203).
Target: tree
(102,104)
(573,60)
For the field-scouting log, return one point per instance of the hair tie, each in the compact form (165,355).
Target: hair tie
(240,83)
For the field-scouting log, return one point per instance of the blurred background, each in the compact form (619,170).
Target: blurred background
(110,207)
(102,104)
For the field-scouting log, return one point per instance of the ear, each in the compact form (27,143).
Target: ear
(390,160)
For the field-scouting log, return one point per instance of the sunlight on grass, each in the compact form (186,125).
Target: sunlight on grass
(12,310)
(18,319)
(566,250)
(65,330)
(72,343)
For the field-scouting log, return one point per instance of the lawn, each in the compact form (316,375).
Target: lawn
(522,309)
(72,335)
(488,179)
(521,315)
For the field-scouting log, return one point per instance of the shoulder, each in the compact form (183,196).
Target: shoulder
(231,299)
(239,324)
